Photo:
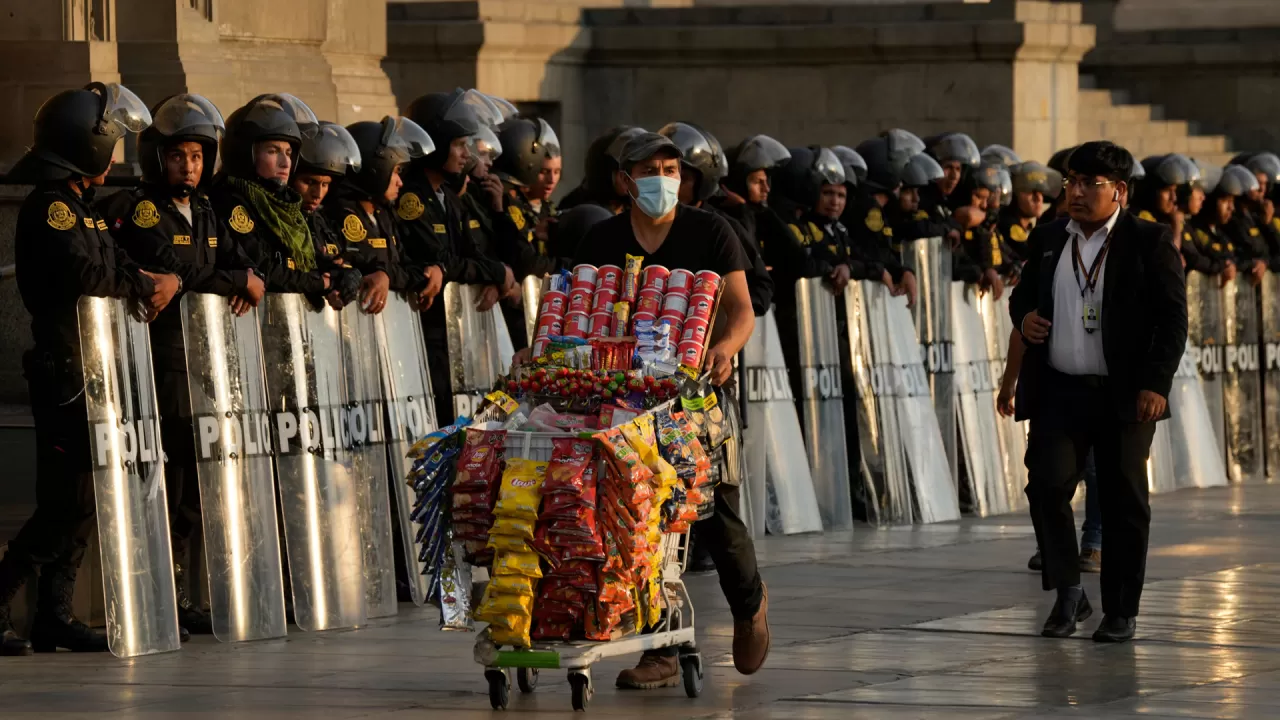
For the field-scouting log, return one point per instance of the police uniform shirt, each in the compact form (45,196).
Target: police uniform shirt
(697,240)
(1204,247)
(830,242)
(759,281)
(435,232)
(265,250)
(1014,235)
(372,243)
(330,249)
(1247,238)
(501,237)
(873,236)
(1072,349)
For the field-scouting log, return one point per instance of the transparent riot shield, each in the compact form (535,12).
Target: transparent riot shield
(1197,459)
(930,260)
(823,402)
(233,463)
(366,425)
(1206,337)
(1012,434)
(1270,322)
(1242,382)
(1160,473)
(976,404)
(904,468)
(128,479)
(506,347)
(531,289)
(409,413)
(780,486)
(474,359)
(317,466)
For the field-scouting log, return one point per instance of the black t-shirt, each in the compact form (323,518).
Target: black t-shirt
(698,240)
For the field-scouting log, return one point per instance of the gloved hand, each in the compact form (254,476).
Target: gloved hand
(346,282)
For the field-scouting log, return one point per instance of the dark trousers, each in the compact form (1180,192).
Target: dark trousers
(1077,415)
(441,384)
(181,480)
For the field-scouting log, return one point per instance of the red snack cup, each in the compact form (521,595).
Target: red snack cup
(553,304)
(706,282)
(700,306)
(675,303)
(548,326)
(675,320)
(650,301)
(680,282)
(695,330)
(638,316)
(603,300)
(577,325)
(601,324)
(580,300)
(690,353)
(654,277)
(609,276)
(540,346)
(585,276)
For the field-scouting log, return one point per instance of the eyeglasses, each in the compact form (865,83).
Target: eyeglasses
(1084,183)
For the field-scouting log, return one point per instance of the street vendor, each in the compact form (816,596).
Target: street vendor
(661,231)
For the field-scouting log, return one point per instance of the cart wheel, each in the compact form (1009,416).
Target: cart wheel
(499,694)
(691,669)
(527,679)
(582,690)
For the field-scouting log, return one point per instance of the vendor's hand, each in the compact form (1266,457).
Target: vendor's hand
(839,279)
(492,190)
(909,287)
(1035,328)
(991,280)
(373,292)
(254,288)
(488,298)
(1151,406)
(1228,273)
(523,356)
(1004,401)
(718,364)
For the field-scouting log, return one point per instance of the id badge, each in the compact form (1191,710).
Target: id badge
(1092,317)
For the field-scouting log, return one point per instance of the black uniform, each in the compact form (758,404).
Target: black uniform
(1205,248)
(1247,238)
(1014,236)
(273,259)
(373,243)
(872,237)
(330,247)
(759,282)
(939,207)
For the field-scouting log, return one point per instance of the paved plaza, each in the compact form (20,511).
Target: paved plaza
(926,622)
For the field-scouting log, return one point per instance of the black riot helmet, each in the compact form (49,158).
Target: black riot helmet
(901,145)
(702,154)
(331,152)
(855,168)
(181,118)
(525,143)
(882,176)
(921,171)
(758,152)
(278,116)
(446,117)
(995,178)
(954,147)
(1236,181)
(1139,172)
(1166,170)
(76,132)
(1262,163)
(384,146)
(1058,161)
(1001,155)
(809,168)
(1031,176)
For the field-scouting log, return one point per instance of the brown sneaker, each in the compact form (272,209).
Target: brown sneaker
(654,671)
(751,638)
(1090,561)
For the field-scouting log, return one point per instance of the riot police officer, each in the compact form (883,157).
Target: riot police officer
(1214,249)
(63,252)
(324,160)
(958,155)
(1251,252)
(886,157)
(1033,185)
(976,201)
(1259,207)
(530,167)
(600,185)
(1201,245)
(168,225)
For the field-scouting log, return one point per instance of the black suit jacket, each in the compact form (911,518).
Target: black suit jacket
(1144,311)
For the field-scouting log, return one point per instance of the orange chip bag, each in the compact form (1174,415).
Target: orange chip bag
(480,460)
(630,474)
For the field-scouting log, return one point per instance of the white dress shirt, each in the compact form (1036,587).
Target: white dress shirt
(1072,349)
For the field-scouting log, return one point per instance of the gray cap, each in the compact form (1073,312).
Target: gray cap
(644,146)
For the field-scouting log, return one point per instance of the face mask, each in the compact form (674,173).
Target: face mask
(657,195)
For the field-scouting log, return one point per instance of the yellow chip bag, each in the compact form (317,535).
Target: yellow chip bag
(517,563)
(520,494)
(497,603)
(642,440)
(512,584)
(513,526)
(515,637)
(508,543)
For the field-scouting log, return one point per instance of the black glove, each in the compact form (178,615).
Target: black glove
(346,281)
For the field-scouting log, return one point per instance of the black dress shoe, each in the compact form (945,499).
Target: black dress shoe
(1036,562)
(13,645)
(1072,607)
(1115,629)
(184,634)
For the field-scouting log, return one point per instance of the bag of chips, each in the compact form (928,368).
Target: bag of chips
(570,458)
(550,630)
(517,637)
(517,563)
(629,474)
(508,543)
(513,526)
(521,482)
(497,604)
(480,461)
(512,584)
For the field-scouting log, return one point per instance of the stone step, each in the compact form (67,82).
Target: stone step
(1142,129)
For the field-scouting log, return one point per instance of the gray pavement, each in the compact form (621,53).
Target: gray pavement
(927,622)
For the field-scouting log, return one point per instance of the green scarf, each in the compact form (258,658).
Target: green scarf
(282,212)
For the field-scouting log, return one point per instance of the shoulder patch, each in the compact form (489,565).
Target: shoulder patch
(997,258)
(874,220)
(353,230)
(921,215)
(60,216)
(968,234)
(240,221)
(1017,233)
(1254,232)
(409,207)
(817,233)
(517,216)
(1144,215)
(888,232)
(145,215)
(474,224)
(795,230)
(1202,237)
(213,242)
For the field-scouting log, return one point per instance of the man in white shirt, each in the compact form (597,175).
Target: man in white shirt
(1102,308)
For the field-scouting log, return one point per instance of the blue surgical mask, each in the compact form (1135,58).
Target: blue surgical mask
(657,195)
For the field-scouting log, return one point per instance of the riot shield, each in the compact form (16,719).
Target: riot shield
(1241,382)
(1205,337)
(823,402)
(506,347)
(930,260)
(976,404)
(367,427)
(903,464)
(1160,473)
(531,289)
(233,463)
(128,479)
(410,414)
(780,487)
(1196,458)
(474,361)
(317,465)
(1013,434)
(1270,322)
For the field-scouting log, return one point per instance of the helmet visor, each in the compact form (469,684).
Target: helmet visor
(185,114)
(762,152)
(332,148)
(1032,176)
(957,147)
(122,107)
(828,167)
(697,150)
(1005,186)
(301,113)
(1267,164)
(547,144)
(503,107)
(486,110)
(920,171)
(854,165)
(1237,180)
(1000,155)
(485,143)
(903,144)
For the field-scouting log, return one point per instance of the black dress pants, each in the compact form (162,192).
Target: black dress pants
(1077,414)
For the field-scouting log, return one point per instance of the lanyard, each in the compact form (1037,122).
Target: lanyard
(1094,271)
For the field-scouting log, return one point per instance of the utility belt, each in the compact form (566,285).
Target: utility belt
(52,378)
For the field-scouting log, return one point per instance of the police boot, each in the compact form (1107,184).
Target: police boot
(190,616)
(56,625)
(11,581)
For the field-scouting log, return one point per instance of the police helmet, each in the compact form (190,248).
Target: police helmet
(624,136)
(855,168)
(993,177)
(525,142)
(901,145)
(1171,169)
(1139,172)
(332,152)
(757,152)
(181,118)
(809,168)
(383,146)
(1058,161)
(1236,180)
(921,171)
(277,116)
(601,163)
(882,176)
(1264,163)
(446,117)
(1001,155)
(76,132)
(1031,176)
(954,147)
(573,225)
(1210,175)
(702,153)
